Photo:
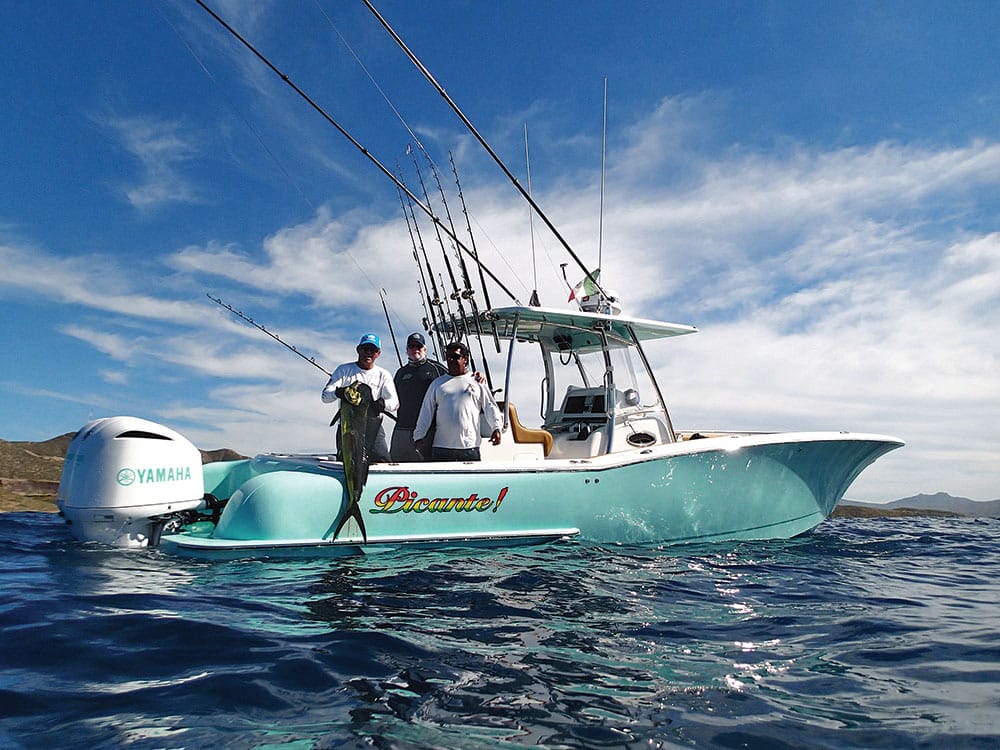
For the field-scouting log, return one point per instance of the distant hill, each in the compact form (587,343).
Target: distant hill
(940,502)
(220,454)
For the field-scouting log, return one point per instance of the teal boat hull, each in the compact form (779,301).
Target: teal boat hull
(715,489)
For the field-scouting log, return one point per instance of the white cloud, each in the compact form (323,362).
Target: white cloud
(114,377)
(87,400)
(161,148)
(117,347)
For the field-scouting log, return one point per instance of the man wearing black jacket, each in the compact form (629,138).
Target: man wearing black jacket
(412,381)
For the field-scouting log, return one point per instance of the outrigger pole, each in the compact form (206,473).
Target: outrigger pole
(274,336)
(482,141)
(357,144)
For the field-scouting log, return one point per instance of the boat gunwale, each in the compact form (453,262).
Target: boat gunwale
(726,444)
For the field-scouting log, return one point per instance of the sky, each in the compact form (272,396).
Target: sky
(815,186)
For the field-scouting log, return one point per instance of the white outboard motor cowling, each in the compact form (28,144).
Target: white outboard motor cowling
(120,473)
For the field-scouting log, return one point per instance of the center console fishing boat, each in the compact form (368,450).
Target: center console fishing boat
(604,464)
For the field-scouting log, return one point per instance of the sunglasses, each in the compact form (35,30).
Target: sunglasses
(455,355)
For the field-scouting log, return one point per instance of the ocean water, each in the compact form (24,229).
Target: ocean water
(867,633)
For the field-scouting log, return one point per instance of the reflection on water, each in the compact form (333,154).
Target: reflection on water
(862,634)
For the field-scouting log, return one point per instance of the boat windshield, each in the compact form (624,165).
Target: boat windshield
(594,393)
(605,398)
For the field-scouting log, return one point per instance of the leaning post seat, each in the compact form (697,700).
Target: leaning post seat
(524,434)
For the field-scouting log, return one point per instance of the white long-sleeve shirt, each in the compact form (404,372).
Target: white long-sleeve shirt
(377,378)
(457,401)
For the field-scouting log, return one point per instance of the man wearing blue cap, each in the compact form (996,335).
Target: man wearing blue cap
(412,381)
(377,378)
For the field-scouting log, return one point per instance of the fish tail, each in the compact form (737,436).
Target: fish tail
(354,512)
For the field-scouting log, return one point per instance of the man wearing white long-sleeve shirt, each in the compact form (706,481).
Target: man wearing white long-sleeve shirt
(454,403)
(377,378)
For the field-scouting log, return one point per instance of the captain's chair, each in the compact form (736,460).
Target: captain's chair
(524,434)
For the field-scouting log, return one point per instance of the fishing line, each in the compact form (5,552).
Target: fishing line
(354,142)
(531,217)
(236,110)
(416,140)
(260,140)
(482,141)
(409,130)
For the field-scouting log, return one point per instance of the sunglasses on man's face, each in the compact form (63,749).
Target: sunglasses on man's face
(455,355)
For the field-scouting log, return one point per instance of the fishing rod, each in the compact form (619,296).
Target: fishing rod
(482,141)
(604,154)
(475,251)
(274,336)
(437,302)
(425,301)
(426,320)
(468,292)
(416,139)
(353,141)
(459,326)
(392,333)
(454,329)
(456,293)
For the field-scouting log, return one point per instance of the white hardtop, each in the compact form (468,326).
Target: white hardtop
(568,329)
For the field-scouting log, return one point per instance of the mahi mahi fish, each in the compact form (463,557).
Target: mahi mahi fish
(359,424)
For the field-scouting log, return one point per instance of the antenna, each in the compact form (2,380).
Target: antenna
(604,150)
(531,223)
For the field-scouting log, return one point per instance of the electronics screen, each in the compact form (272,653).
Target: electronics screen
(583,405)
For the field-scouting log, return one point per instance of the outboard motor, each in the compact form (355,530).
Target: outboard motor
(120,474)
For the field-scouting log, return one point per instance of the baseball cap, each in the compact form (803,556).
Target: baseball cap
(370,338)
(415,338)
(457,346)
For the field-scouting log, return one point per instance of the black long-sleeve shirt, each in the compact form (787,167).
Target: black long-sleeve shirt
(412,381)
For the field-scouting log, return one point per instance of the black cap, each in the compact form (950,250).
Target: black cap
(415,338)
(458,346)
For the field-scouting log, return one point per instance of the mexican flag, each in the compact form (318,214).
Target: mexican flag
(586,287)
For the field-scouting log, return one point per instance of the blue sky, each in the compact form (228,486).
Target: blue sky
(814,185)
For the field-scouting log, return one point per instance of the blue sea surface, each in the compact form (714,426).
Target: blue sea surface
(867,633)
